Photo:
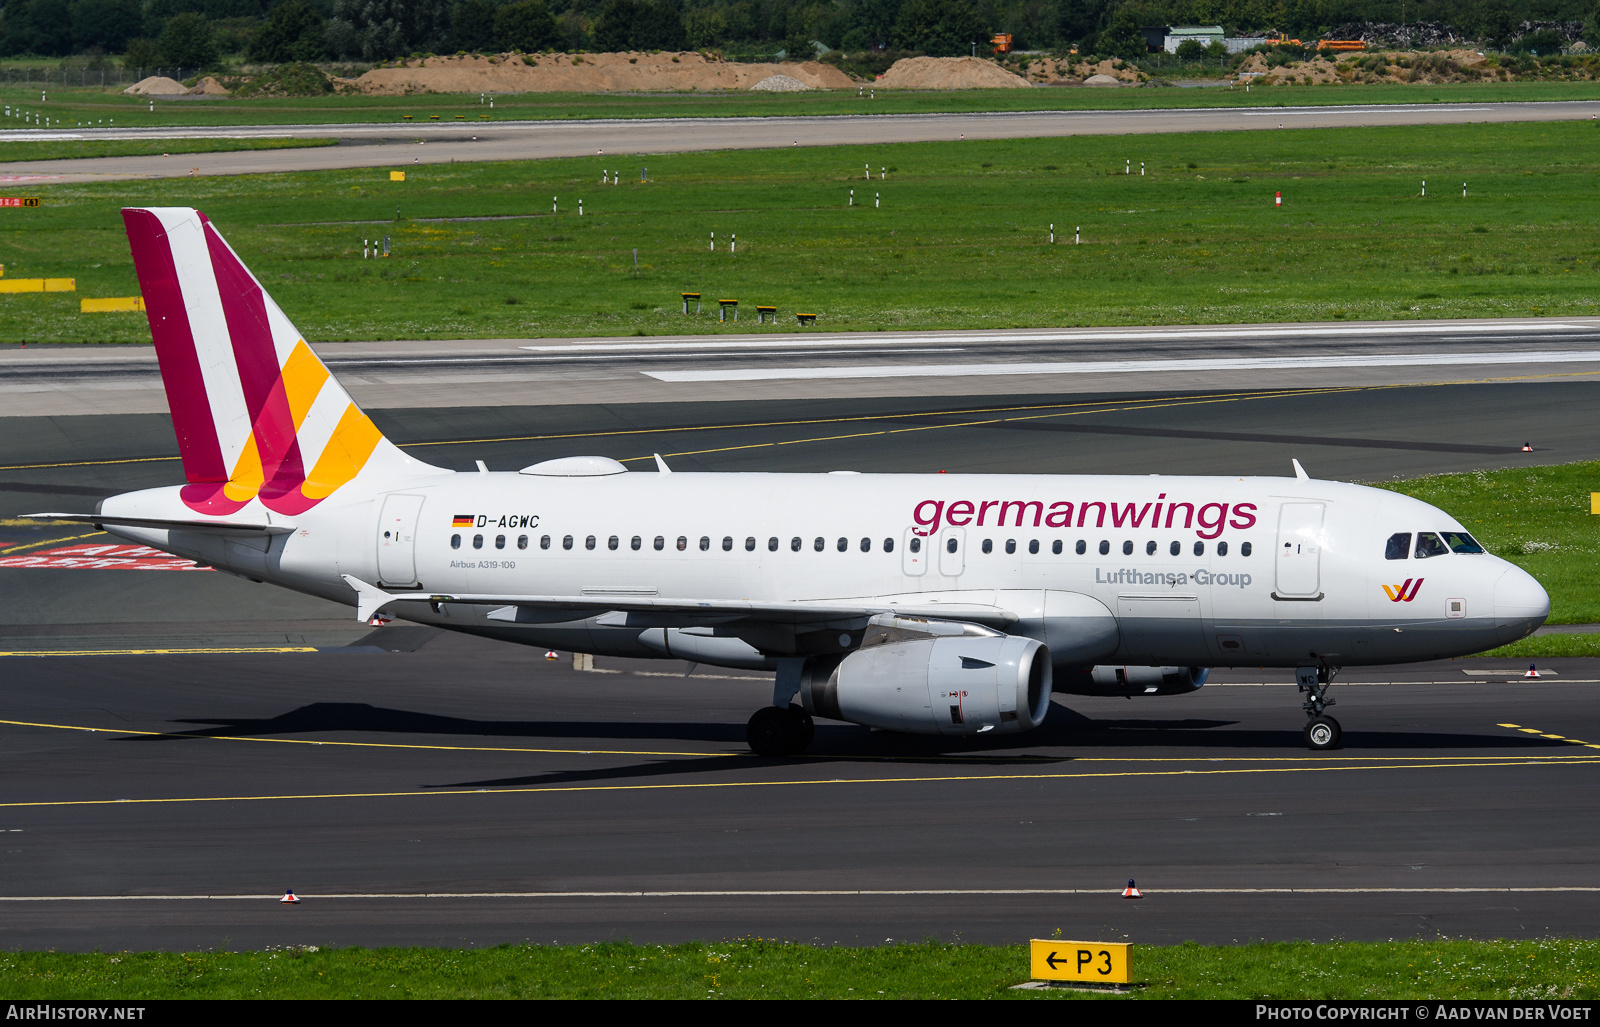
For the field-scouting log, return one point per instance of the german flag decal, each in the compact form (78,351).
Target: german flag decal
(463,521)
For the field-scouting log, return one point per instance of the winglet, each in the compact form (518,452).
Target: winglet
(661,465)
(1299,472)
(369,598)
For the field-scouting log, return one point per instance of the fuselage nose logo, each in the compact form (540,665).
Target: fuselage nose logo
(1404,592)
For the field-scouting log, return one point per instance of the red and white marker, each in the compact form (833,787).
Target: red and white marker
(1130,892)
(289,898)
(550,654)
(1533,672)
(1279,201)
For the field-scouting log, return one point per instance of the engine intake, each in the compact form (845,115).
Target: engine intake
(946,686)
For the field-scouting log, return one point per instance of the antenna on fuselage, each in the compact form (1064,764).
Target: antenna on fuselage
(661,465)
(1299,472)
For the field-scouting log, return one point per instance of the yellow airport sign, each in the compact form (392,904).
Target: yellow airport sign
(39,285)
(110,304)
(1594,502)
(397,176)
(1103,962)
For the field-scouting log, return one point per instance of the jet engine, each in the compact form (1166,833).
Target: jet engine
(1133,680)
(949,686)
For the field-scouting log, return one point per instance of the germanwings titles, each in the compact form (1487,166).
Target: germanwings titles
(938,604)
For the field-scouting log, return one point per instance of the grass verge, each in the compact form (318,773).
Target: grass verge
(12,150)
(957,236)
(746,969)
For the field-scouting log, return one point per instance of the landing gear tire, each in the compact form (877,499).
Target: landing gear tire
(1323,733)
(804,729)
(772,731)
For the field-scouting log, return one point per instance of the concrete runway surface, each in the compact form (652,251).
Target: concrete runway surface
(415,787)
(400,144)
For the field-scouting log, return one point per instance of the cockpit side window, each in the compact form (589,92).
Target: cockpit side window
(1399,546)
(1428,544)
(1461,542)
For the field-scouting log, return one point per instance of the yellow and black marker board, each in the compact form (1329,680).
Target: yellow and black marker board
(19,201)
(1105,962)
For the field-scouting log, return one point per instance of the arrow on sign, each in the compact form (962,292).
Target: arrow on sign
(1051,959)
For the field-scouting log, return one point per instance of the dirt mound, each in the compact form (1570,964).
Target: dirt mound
(209,86)
(289,80)
(156,85)
(1431,67)
(1053,71)
(780,84)
(1102,80)
(585,73)
(949,73)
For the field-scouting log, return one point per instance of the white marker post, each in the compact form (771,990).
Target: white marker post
(868,168)
(713,242)
(877,201)
(1052,234)
(1077,235)
(553,204)
(1129,169)
(1424,188)
(1463,190)
(733,242)
(852,198)
(580,208)
(882,174)
(1141,169)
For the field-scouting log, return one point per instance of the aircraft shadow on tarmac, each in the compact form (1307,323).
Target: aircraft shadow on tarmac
(838,743)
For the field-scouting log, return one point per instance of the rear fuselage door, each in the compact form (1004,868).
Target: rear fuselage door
(397,540)
(1299,561)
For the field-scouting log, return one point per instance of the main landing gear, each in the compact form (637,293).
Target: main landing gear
(780,731)
(1322,732)
(784,728)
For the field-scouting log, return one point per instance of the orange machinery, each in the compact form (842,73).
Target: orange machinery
(1002,42)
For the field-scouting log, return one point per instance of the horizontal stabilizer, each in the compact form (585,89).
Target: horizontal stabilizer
(210,527)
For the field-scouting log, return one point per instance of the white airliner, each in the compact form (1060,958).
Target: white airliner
(938,604)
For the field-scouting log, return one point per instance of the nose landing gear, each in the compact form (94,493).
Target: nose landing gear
(1322,732)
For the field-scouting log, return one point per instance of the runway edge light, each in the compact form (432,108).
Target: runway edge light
(1080,962)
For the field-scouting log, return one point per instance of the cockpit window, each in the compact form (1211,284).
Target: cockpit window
(1461,542)
(1399,546)
(1428,544)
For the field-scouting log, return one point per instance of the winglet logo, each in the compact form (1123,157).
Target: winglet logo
(1403,593)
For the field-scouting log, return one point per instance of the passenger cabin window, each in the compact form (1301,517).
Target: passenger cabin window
(660,543)
(1150,548)
(522,542)
(772,544)
(820,544)
(1033,546)
(637,543)
(1127,548)
(455,541)
(683,543)
(727,543)
(1199,548)
(544,541)
(1055,547)
(1222,549)
(866,545)
(888,545)
(1244,548)
(1429,544)
(1080,547)
(612,542)
(477,542)
(1398,546)
(705,543)
(1177,547)
(988,545)
(750,544)
(794,544)
(1105,547)
(499,541)
(588,543)
(950,545)
(1461,542)
(916,545)
(1011,545)
(843,545)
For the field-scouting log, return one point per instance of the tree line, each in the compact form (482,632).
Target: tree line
(199,33)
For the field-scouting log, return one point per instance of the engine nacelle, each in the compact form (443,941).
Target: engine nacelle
(1133,681)
(947,686)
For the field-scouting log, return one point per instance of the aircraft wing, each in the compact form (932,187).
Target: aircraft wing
(211,527)
(371,599)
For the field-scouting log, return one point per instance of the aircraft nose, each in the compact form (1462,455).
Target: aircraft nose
(1520,604)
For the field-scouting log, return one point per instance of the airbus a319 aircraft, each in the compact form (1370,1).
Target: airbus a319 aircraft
(947,604)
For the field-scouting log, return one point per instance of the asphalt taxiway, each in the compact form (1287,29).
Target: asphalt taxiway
(176,748)
(401,143)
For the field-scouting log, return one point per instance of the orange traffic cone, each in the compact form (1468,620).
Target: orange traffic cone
(1527,447)
(550,654)
(1533,671)
(1130,892)
(288,898)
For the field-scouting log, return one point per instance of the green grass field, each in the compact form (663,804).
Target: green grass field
(752,969)
(960,240)
(78,106)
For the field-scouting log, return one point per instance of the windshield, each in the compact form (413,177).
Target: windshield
(1428,544)
(1461,542)
(1398,547)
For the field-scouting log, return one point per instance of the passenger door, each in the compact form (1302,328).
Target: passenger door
(1299,560)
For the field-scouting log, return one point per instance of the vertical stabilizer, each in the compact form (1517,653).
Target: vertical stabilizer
(257,414)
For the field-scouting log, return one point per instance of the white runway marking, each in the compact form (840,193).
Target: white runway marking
(1065,335)
(1442,360)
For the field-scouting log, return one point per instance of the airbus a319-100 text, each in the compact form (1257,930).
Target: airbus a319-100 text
(943,604)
